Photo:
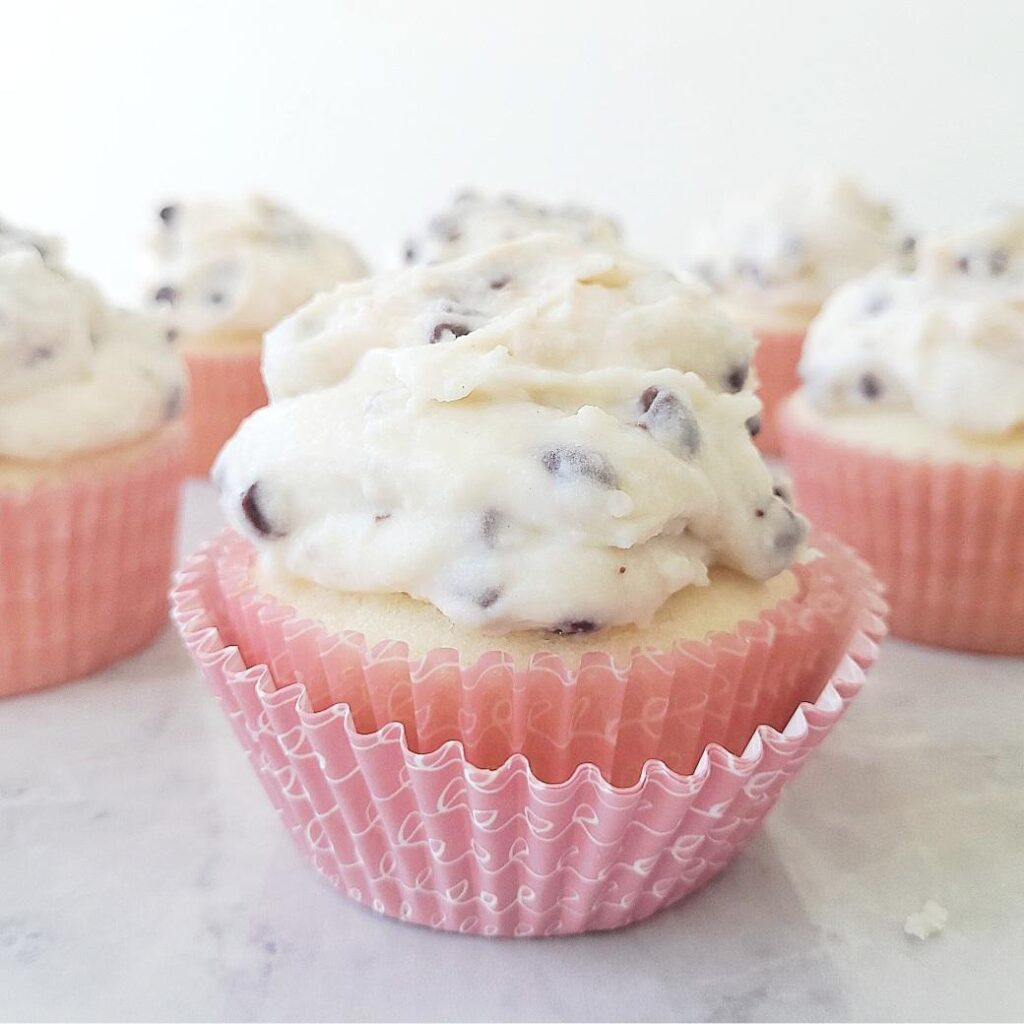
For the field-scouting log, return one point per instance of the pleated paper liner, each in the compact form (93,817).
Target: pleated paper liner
(775,363)
(84,565)
(527,800)
(946,539)
(225,388)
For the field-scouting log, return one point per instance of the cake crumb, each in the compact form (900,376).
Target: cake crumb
(928,921)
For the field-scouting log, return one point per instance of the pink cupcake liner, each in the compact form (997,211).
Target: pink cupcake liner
(946,539)
(775,363)
(224,389)
(84,565)
(525,801)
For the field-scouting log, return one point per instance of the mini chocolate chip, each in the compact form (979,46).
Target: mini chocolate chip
(622,569)
(456,330)
(174,404)
(736,378)
(573,626)
(172,335)
(908,246)
(410,253)
(759,512)
(577,462)
(963,264)
(40,354)
(489,597)
(780,494)
(998,261)
(497,283)
(670,421)
(216,298)
(380,517)
(790,536)
(870,386)
(168,213)
(253,511)
(754,424)
(876,302)
(165,293)
(490,523)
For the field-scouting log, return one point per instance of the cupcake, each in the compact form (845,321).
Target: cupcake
(229,272)
(517,627)
(907,438)
(474,222)
(91,460)
(775,256)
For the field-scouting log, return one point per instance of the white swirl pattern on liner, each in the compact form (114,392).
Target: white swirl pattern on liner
(776,255)
(76,375)
(946,340)
(512,495)
(474,222)
(242,267)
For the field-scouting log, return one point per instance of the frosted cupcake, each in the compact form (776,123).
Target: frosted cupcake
(91,456)
(474,222)
(907,438)
(228,272)
(775,256)
(499,598)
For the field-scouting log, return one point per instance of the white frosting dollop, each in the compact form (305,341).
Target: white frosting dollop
(241,267)
(546,469)
(549,299)
(946,340)
(474,222)
(777,254)
(76,375)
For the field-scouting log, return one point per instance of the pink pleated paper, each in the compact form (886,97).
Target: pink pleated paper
(84,565)
(224,388)
(945,538)
(533,800)
(775,363)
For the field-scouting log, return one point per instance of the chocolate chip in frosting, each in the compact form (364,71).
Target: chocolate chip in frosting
(791,535)
(168,213)
(165,293)
(574,462)
(754,424)
(870,386)
(876,302)
(491,523)
(497,283)
(410,253)
(252,509)
(40,354)
(670,421)
(573,627)
(216,298)
(998,261)
(448,330)
(489,597)
(174,405)
(736,378)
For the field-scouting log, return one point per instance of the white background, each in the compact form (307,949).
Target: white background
(368,115)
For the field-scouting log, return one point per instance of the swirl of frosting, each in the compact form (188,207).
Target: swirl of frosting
(776,255)
(475,222)
(496,473)
(242,267)
(76,375)
(946,341)
(548,299)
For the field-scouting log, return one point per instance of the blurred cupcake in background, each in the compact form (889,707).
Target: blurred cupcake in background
(512,611)
(907,438)
(776,255)
(475,221)
(228,272)
(91,460)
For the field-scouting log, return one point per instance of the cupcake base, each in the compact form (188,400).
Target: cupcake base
(226,386)
(528,800)
(85,559)
(775,364)
(944,537)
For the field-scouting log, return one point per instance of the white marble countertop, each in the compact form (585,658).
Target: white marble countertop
(143,875)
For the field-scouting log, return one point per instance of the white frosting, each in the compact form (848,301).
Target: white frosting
(776,255)
(242,267)
(550,300)
(474,222)
(76,375)
(532,473)
(946,340)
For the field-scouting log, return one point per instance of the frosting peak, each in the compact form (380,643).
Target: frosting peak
(243,266)
(562,452)
(946,340)
(76,375)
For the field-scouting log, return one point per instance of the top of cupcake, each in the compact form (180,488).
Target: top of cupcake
(474,222)
(565,458)
(946,340)
(76,375)
(240,267)
(548,299)
(776,255)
